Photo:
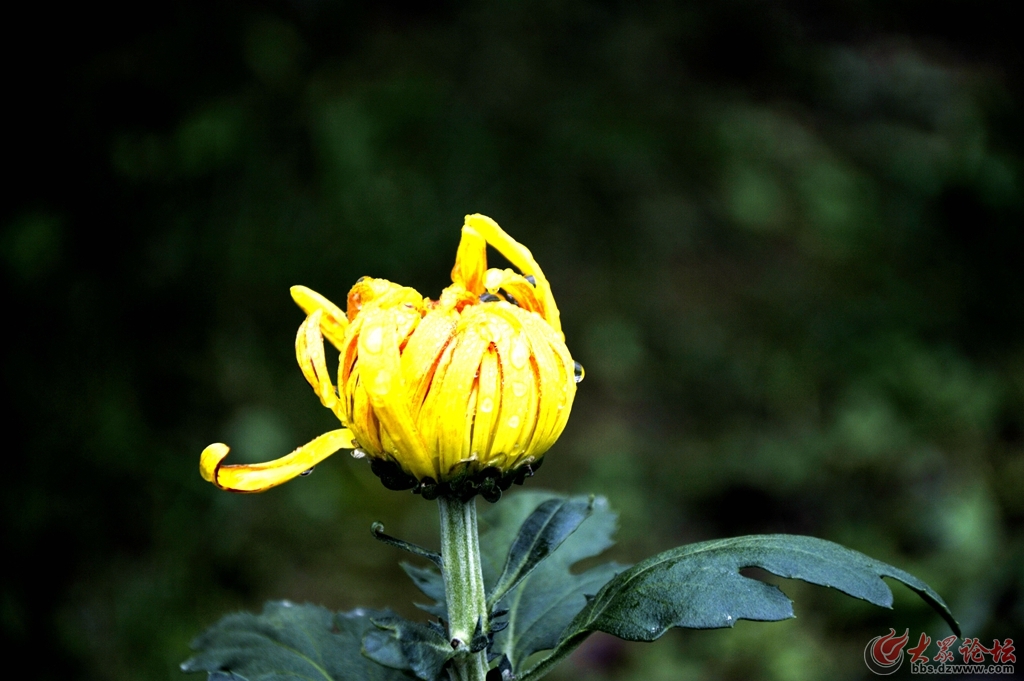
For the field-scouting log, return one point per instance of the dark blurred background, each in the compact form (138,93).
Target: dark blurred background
(785,237)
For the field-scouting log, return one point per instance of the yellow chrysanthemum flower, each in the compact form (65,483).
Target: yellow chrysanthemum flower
(460,395)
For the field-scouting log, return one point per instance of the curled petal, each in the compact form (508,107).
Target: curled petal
(520,256)
(380,372)
(470,261)
(380,293)
(514,285)
(262,476)
(333,322)
(309,351)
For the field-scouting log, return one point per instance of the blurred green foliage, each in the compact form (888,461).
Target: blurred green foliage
(786,240)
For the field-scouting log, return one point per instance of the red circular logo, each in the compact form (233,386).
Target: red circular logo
(884,654)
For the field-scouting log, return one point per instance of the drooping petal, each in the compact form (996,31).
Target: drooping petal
(333,322)
(309,351)
(520,256)
(262,476)
(380,371)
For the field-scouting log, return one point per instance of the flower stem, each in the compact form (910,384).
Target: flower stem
(463,585)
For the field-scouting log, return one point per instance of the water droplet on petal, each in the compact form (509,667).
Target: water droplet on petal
(486,405)
(518,389)
(382,383)
(520,353)
(513,422)
(577,371)
(374,339)
(307,471)
(358,453)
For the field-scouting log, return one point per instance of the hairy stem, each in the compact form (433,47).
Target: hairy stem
(463,585)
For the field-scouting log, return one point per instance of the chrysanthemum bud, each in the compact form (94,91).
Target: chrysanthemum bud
(460,395)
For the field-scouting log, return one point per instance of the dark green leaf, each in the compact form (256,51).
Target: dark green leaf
(699,586)
(499,526)
(549,597)
(544,530)
(406,645)
(288,642)
(431,583)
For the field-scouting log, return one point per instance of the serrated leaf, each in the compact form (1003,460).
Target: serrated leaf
(699,586)
(499,526)
(406,645)
(542,532)
(431,583)
(549,597)
(288,642)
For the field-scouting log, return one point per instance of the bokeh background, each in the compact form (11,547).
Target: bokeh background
(786,239)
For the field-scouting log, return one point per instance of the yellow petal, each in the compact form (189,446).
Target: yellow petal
(470,261)
(423,352)
(555,386)
(309,351)
(333,322)
(452,417)
(515,285)
(520,256)
(488,408)
(262,476)
(519,397)
(380,371)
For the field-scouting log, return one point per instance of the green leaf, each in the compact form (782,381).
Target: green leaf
(406,645)
(431,583)
(699,586)
(550,596)
(544,530)
(499,526)
(289,642)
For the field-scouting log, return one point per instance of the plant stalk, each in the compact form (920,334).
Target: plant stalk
(463,585)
